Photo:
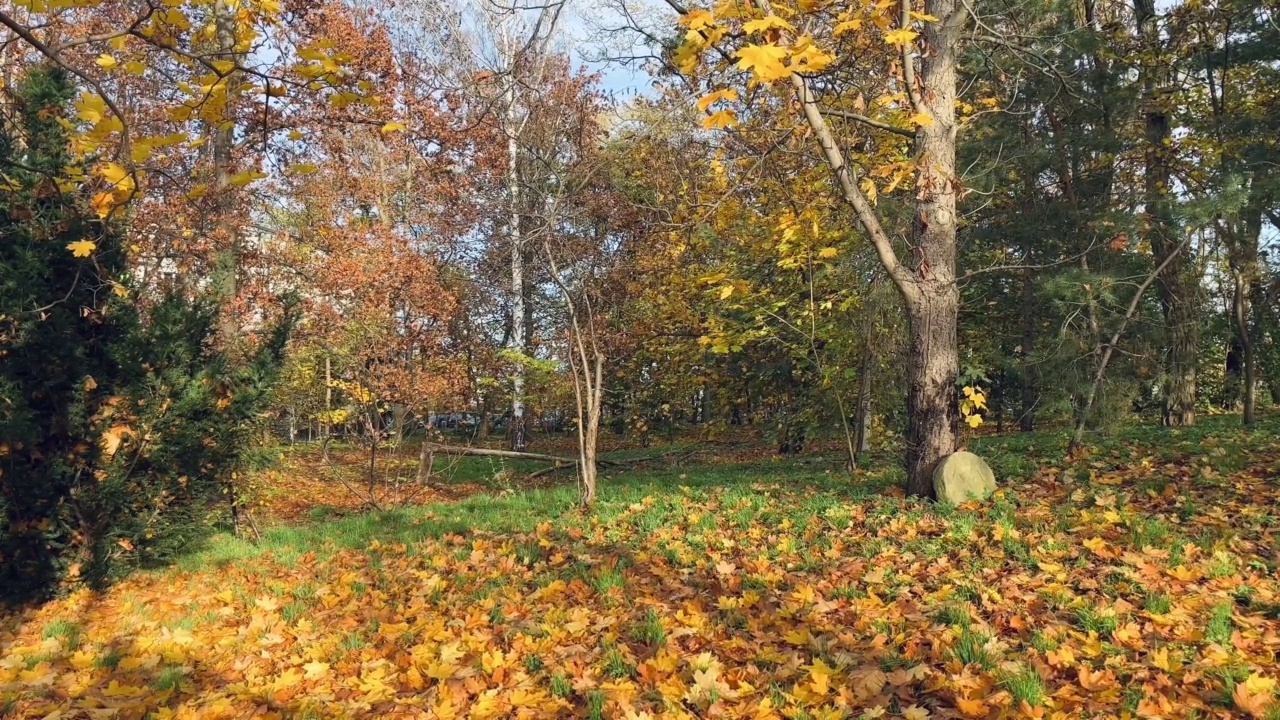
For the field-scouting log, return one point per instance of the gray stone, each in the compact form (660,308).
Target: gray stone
(963,476)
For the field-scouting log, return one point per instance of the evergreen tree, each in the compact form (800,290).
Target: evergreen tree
(119,433)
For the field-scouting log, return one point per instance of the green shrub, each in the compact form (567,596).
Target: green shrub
(121,424)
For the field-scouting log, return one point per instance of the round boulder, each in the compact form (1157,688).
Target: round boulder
(963,476)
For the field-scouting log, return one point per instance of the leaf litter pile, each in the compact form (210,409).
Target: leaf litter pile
(1137,583)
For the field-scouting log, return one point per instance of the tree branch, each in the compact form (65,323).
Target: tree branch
(868,121)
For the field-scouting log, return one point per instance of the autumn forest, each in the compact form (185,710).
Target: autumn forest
(805,359)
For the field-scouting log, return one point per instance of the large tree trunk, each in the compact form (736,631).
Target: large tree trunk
(1178,285)
(933,364)
(224,14)
(932,405)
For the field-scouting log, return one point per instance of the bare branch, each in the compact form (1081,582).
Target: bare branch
(868,121)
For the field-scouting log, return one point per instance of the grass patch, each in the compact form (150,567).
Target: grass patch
(1219,627)
(169,679)
(1025,685)
(970,648)
(64,630)
(649,630)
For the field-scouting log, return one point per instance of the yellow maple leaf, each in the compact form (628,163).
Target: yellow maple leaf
(820,676)
(847,26)
(82,248)
(112,172)
(868,188)
(244,177)
(711,98)
(915,712)
(900,36)
(719,120)
(764,62)
(808,57)
(1256,683)
(106,62)
(393,126)
(828,252)
(697,19)
(764,24)
(921,119)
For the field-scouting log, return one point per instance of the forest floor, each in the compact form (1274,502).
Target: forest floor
(1137,582)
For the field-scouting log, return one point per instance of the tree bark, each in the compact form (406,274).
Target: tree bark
(224,14)
(862,416)
(518,333)
(933,417)
(934,363)
(426,461)
(1240,319)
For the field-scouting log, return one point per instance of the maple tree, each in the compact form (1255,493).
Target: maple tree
(925,99)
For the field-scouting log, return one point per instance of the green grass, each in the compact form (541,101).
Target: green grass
(1158,603)
(952,614)
(169,678)
(65,630)
(615,665)
(559,686)
(970,649)
(595,704)
(1093,620)
(650,630)
(1218,629)
(109,660)
(1025,685)
(828,494)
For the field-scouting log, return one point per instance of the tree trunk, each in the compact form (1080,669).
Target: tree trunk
(1240,315)
(1178,288)
(399,413)
(862,413)
(589,432)
(517,278)
(426,461)
(224,14)
(933,364)
(933,417)
(326,430)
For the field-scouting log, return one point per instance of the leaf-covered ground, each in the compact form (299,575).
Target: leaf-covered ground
(1140,582)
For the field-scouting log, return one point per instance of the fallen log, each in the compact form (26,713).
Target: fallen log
(512,454)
